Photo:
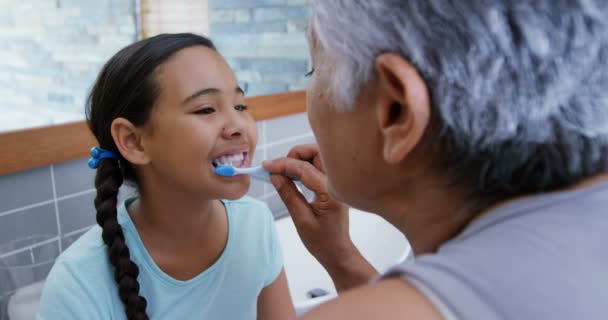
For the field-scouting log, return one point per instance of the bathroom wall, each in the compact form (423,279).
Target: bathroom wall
(46,209)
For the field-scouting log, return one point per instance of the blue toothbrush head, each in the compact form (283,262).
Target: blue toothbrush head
(225,171)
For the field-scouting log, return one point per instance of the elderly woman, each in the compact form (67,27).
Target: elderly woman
(477,128)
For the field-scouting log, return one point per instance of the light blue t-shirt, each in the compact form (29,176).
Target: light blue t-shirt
(81,284)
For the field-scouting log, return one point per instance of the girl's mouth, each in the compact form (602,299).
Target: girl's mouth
(237,160)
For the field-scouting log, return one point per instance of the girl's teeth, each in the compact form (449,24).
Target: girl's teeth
(233,160)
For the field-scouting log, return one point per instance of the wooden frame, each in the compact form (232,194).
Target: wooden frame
(31,148)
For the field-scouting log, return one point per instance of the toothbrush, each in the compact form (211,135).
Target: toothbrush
(255,172)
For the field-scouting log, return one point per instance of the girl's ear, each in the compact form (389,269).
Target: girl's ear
(128,140)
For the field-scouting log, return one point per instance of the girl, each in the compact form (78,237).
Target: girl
(165,110)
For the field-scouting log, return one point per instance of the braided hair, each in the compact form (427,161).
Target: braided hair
(127,88)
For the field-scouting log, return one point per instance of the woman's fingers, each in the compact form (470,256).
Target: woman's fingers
(295,202)
(301,211)
(308,153)
(308,174)
(304,152)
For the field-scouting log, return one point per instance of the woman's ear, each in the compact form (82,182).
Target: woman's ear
(403,106)
(128,140)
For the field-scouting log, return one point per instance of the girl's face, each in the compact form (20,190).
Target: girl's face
(199,119)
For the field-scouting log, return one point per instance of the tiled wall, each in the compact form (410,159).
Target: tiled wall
(48,208)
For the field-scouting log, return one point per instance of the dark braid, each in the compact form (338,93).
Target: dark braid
(107,182)
(127,88)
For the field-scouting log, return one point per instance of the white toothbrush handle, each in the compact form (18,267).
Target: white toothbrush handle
(259,173)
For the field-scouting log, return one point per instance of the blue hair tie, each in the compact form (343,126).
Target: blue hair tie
(98,154)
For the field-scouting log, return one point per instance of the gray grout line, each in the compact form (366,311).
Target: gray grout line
(265,155)
(36,245)
(265,132)
(260,148)
(290,139)
(71,233)
(41,243)
(56,205)
(39,204)
(74,195)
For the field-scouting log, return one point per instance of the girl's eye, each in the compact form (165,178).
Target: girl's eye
(240,107)
(310,73)
(206,110)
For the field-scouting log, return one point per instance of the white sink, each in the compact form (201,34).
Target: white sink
(379,242)
(23,305)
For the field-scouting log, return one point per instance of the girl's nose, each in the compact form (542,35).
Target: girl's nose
(230,132)
(234,126)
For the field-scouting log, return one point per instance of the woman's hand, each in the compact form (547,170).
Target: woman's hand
(322,224)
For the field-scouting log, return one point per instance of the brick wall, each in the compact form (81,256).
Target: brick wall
(264,41)
(51,51)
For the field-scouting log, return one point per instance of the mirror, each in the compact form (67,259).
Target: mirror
(52,50)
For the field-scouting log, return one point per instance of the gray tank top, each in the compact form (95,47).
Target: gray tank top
(544,257)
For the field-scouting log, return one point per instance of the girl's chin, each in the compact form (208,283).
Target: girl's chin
(234,196)
(236,192)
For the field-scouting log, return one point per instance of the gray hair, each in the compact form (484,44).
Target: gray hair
(519,88)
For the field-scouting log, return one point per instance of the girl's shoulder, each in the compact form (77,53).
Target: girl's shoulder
(80,281)
(84,262)
(87,247)
(87,253)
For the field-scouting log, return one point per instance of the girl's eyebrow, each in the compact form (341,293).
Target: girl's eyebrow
(209,91)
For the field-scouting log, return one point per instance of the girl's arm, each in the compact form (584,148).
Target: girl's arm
(274,303)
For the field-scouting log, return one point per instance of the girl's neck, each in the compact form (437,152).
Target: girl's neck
(183,234)
(175,216)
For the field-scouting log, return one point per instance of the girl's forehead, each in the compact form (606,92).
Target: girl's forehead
(194,69)
(197,62)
